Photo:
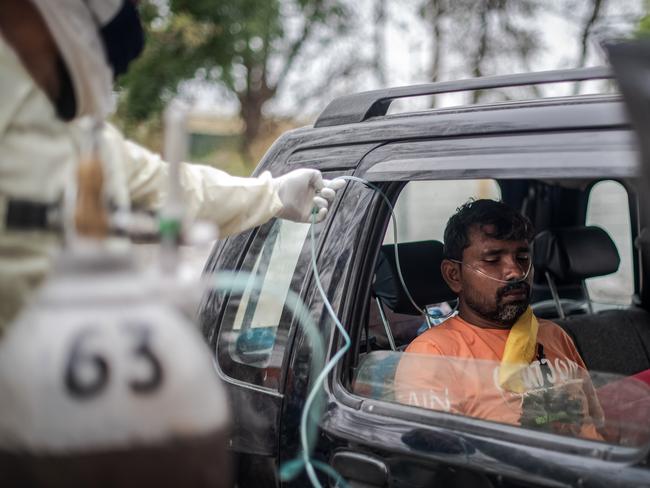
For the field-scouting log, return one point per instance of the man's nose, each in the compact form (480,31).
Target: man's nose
(512,269)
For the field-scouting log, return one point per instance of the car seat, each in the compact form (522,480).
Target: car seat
(420,265)
(612,341)
(566,257)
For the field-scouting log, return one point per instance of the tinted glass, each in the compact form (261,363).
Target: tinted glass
(555,395)
(256,323)
(609,208)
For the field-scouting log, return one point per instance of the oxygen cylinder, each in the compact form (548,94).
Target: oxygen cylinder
(103,383)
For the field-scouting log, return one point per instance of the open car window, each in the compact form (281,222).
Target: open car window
(600,391)
(423,207)
(556,396)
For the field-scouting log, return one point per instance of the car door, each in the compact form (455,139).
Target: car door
(379,443)
(251,326)
(356,209)
(630,63)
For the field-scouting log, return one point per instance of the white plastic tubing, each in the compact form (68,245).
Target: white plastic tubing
(238,282)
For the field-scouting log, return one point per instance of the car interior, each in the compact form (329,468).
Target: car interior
(610,325)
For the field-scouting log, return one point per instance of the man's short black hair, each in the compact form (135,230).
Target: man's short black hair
(509,225)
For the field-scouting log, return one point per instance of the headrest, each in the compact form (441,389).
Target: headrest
(420,265)
(575,253)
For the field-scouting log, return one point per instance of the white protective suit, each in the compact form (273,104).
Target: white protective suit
(38,154)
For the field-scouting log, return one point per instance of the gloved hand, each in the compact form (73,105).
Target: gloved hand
(301,190)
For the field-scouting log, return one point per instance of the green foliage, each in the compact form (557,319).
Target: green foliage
(644,24)
(644,27)
(177,45)
(228,42)
(246,46)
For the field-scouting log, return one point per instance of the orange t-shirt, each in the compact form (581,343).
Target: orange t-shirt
(454,367)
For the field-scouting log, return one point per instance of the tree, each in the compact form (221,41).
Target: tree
(599,21)
(475,38)
(594,13)
(485,37)
(644,24)
(248,47)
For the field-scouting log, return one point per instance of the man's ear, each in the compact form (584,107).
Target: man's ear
(451,274)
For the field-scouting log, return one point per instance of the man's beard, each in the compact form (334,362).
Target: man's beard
(502,313)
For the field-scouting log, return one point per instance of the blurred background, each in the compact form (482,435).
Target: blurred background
(252,69)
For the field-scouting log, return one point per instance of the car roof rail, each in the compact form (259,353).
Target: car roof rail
(350,109)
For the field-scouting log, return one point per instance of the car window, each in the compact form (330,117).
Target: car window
(556,395)
(423,207)
(256,323)
(575,385)
(422,211)
(609,208)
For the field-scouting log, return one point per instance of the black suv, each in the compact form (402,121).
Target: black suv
(568,163)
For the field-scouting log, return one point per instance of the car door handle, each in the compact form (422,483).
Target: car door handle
(362,468)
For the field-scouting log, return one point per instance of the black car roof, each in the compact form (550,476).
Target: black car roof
(354,125)
(343,146)
(358,107)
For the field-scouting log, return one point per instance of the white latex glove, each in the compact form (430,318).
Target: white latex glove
(303,189)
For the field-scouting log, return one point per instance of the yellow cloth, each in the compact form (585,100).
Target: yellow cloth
(519,351)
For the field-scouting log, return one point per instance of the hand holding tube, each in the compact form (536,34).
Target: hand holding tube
(303,189)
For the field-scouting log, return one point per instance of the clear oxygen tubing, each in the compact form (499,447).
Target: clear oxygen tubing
(392,213)
(427,317)
(239,282)
(290,469)
(484,274)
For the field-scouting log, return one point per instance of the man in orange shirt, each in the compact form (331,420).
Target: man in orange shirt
(495,360)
